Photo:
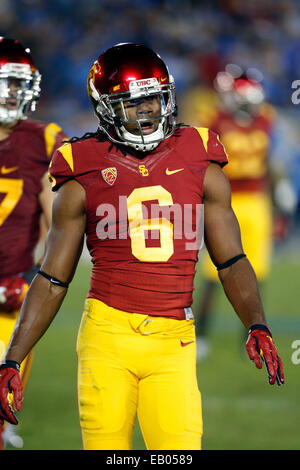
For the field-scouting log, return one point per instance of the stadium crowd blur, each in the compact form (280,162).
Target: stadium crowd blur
(196,39)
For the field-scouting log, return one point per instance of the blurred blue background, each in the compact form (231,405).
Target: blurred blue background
(195,38)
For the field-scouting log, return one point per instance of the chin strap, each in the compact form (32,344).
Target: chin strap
(142,147)
(134,141)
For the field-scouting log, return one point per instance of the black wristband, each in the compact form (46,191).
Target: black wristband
(230,262)
(53,280)
(31,273)
(10,364)
(259,326)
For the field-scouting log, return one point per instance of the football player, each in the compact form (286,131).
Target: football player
(130,187)
(245,123)
(26,147)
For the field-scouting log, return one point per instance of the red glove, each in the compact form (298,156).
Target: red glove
(10,382)
(259,347)
(12,293)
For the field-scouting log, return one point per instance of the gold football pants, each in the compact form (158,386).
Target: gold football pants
(132,364)
(254,214)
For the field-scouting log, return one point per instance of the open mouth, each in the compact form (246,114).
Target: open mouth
(148,127)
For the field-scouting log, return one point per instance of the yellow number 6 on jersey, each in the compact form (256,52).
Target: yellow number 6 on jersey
(139,226)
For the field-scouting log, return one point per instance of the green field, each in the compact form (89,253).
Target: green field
(240,410)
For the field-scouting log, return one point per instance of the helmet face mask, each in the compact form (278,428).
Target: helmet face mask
(19,82)
(135,109)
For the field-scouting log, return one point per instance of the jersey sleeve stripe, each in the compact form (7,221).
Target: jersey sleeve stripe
(50,177)
(66,152)
(203,132)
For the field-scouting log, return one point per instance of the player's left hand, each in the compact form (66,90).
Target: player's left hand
(260,347)
(12,293)
(10,383)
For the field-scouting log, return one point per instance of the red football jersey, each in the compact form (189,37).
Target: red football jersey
(24,159)
(248,149)
(142,217)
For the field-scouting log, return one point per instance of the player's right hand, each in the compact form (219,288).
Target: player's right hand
(12,293)
(11,392)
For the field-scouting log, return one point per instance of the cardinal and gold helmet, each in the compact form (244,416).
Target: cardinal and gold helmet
(128,75)
(240,89)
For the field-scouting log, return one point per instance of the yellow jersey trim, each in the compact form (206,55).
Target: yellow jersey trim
(66,151)
(203,132)
(50,177)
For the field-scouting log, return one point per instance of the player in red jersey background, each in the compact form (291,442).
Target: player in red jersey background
(135,188)
(26,147)
(237,111)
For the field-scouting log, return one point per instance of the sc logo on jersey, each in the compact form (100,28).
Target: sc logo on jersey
(143,170)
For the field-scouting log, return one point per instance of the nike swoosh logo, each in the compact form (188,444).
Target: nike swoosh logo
(185,344)
(5,170)
(171,172)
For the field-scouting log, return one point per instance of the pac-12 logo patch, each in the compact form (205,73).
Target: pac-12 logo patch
(109,175)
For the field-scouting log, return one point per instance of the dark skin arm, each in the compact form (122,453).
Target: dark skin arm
(223,241)
(63,249)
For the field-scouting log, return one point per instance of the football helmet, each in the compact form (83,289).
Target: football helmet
(128,76)
(19,81)
(240,90)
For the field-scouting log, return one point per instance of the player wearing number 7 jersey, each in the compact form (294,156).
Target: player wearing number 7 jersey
(26,147)
(135,188)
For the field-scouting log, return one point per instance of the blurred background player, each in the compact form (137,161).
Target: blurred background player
(26,147)
(262,197)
